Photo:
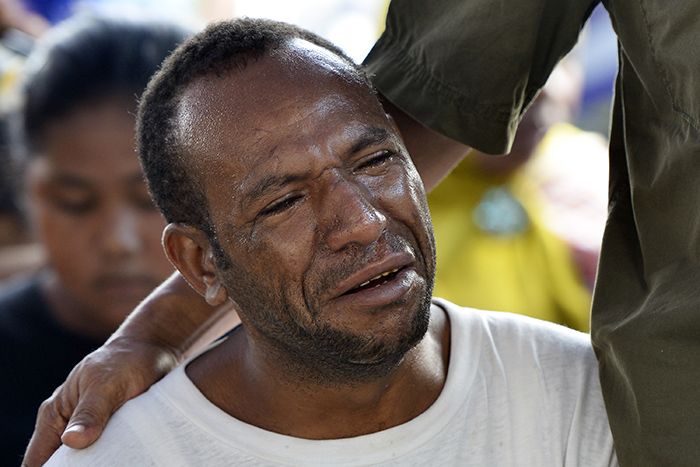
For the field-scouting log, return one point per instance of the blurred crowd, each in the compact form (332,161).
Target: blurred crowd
(522,232)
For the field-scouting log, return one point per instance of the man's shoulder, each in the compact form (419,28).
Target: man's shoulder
(508,322)
(168,425)
(529,380)
(516,338)
(130,437)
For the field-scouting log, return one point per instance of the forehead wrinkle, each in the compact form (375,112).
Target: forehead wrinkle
(252,186)
(271,183)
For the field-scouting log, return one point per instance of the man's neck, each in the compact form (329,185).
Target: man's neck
(227,377)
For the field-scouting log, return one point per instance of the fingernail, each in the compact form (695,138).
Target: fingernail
(75,428)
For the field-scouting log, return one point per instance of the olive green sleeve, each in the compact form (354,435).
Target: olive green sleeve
(468,69)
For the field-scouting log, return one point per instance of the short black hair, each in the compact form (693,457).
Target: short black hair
(222,48)
(86,58)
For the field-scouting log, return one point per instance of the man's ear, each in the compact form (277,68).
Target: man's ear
(189,250)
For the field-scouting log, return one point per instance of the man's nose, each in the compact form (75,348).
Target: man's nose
(349,215)
(119,232)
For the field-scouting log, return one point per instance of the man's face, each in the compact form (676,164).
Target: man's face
(318,210)
(93,213)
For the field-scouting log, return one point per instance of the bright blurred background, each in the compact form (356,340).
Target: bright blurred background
(354,25)
(558,184)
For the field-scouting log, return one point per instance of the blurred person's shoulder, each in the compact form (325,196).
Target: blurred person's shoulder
(21,307)
(20,261)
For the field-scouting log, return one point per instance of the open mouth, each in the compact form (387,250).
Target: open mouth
(375,281)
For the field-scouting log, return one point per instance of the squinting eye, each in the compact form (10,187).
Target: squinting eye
(377,160)
(280,206)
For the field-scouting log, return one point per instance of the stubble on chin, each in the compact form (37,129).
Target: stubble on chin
(314,352)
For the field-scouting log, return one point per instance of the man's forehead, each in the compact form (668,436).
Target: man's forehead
(297,66)
(277,91)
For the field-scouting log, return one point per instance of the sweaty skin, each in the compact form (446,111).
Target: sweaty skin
(304,170)
(141,352)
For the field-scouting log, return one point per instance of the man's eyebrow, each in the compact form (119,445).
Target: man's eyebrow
(371,135)
(269,184)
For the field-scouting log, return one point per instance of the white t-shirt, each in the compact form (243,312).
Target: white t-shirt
(519,392)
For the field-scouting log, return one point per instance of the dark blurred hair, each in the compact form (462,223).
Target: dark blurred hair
(222,48)
(87,58)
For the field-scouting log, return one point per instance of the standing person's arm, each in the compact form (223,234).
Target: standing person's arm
(433,154)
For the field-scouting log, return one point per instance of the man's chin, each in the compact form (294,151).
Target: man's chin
(370,356)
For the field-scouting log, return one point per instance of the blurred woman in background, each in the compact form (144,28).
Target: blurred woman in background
(88,204)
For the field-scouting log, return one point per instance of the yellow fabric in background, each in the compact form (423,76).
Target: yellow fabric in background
(530,272)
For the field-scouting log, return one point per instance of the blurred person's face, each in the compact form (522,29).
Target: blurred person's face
(92,211)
